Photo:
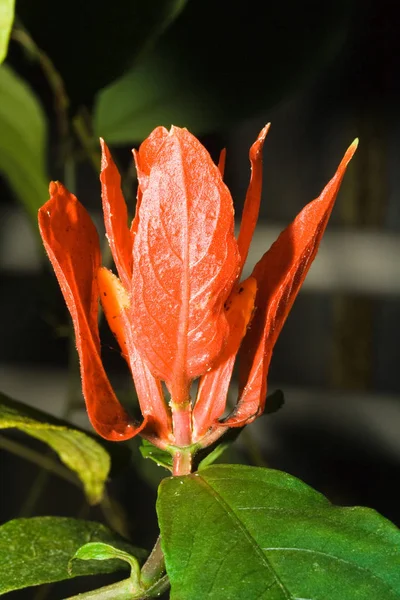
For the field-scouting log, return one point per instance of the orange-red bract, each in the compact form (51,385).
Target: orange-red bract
(177,309)
(185,260)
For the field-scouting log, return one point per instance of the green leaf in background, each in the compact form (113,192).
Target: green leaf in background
(103,39)
(6,21)
(22,141)
(39,550)
(77,450)
(220,62)
(233,532)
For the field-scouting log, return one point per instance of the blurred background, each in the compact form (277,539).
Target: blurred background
(323,74)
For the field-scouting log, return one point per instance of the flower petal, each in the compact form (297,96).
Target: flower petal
(144,159)
(280,274)
(185,261)
(213,386)
(116,305)
(72,243)
(116,216)
(253,197)
(222,162)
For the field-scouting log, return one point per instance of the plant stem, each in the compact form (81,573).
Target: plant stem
(85,136)
(122,590)
(182,462)
(43,461)
(154,567)
(182,422)
(54,79)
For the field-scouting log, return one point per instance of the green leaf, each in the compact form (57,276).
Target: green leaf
(102,43)
(236,532)
(76,449)
(6,20)
(214,455)
(206,72)
(39,550)
(161,457)
(22,141)
(101,551)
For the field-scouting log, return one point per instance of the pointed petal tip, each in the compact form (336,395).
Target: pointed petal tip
(53,186)
(105,155)
(354,144)
(264,130)
(349,154)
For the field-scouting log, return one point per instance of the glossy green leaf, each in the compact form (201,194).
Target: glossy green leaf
(76,449)
(6,20)
(39,550)
(220,62)
(103,38)
(22,141)
(233,532)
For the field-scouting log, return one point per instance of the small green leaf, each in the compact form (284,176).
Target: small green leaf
(6,20)
(22,141)
(76,449)
(237,532)
(161,457)
(102,551)
(39,550)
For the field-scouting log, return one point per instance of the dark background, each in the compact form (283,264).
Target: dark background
(322,75)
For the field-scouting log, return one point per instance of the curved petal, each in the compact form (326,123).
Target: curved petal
(214,385)
(72,243)
(280,274)
(116,216)
(253,197)
(116,304)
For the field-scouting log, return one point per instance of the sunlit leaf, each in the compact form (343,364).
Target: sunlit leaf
(6,21)
(39,550)
(77,450)
(236,532)
(22,142)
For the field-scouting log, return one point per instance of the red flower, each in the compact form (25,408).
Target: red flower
(177,308)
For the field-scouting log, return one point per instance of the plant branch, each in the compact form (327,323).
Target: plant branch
(54,79)
(154,567)
(42,461)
